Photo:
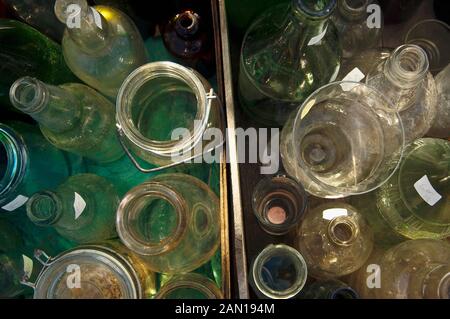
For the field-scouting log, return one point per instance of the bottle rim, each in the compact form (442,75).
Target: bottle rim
(190,281)
(324,12)
(53,215)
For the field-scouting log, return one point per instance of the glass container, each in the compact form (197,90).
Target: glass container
(441,125)
(329,289)
(339,142)
(189,286)
(278,203)
(172,221)
(335,240)
(287,53)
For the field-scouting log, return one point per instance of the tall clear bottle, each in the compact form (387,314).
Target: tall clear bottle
(287,53)
(72,117)
(101,45)
(404,78)
(82,209)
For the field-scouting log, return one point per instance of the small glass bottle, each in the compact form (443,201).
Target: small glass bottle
(278,204)
(185,36)
(73,117)
(101,45)
(189,286)
(288,52)
(172,221)
(329,289)
(278,272)
(441,124)
(405,80)
(335,240)
(415,199)
(27,52)
(82,209)
(104,271)
(355,32)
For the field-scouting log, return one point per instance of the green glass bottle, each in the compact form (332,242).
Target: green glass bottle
(329,289)
(73,117)
(82,209)
(287,53)
(25,51)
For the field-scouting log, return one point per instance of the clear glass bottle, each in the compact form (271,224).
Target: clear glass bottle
(441,125)
(405,80)
(189,286)
(415,200)
(278,203)
(39,14)
(105,271)
(329,289)
(287,53)
(27,52)
(82,209)
(73,117)
(159,99)
(278,272)
(416,269)
(335,240)
(339,142)
(172,221)
(351,21)
(101,45)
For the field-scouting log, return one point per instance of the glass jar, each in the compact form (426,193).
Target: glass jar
(155,102)
(278,204)
(339,142)
(107,271)
(189,286)
(172,221)
(278,272)
(335,240)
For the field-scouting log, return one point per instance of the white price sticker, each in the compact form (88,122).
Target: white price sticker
(27,266)
(318,38)
(78,205)
(354,75)
(427,191)
(19,201)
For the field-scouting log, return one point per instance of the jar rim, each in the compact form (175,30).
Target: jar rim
(193,281)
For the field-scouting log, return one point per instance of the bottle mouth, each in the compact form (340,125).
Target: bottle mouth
(353,8)
(157,89)
(344,293)
(342,231)
(189,286)
(140,214)
(187,23)
(279,272)
(316,9)
(43,208)
(28,95)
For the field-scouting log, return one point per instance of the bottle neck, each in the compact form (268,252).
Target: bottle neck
(407,66)
(313,14)
(53,107)
(436,282)
(353,10)
(187,24)
(342,231)
(44,208)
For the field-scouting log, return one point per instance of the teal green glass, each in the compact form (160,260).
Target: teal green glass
(287,53)
(82,209)
(25,51)
(72,117)
(329,289)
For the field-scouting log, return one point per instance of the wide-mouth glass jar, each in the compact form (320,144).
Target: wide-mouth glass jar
(172,221)
(189,286)
(163,111)
(108,271)
(341,140)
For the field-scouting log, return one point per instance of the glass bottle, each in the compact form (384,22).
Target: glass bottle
(339,142)
(335,240)
(39,14)
(329,289)
(405,80)
(415,200)
(27,52)
(416,269)
(287,53)
(73,117)
(164,110)
(172,221)
(185,36)
(82,209)
(351,19)
(278,272)
(101,45)
(104,271)
(441,125)
(278,203)
(189,286)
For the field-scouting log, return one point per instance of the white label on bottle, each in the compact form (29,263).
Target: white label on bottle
(426,191)
(16,203)
(78,205)
(27,266)
(318,37)
(354,75)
